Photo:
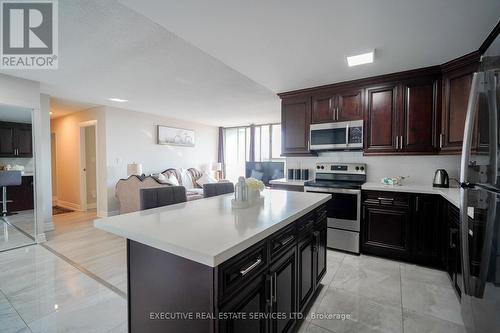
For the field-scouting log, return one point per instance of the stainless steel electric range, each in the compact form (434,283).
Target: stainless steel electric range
(343,181)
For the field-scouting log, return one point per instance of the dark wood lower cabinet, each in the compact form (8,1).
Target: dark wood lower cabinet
(260,290)
(22,196)
(250,300)
(428,230)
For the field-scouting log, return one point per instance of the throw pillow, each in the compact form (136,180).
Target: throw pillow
(173,180)
(205,179)
(186,179)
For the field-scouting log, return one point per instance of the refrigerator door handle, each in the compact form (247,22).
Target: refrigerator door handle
(464,165)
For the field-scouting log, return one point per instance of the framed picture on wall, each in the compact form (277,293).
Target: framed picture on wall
(175,136)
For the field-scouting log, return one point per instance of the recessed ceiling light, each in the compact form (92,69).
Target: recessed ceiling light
(360,59)
(51,113)
(119,100)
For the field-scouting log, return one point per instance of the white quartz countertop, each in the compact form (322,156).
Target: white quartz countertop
(284,181)
(451,194)
(210,231)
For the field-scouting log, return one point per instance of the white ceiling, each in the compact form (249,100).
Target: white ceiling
(292,44)
(221,62)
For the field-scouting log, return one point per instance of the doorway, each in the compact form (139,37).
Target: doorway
(88,169)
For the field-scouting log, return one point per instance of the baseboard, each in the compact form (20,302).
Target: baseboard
(92,206)
(40,238)
(69,205)
(54,201)
(102,213)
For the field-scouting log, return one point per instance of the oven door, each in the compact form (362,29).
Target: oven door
(343,209)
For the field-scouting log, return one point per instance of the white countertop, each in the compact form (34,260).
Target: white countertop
(451,194)
(284,181)
(210,231)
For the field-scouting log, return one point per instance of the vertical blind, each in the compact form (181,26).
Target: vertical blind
(238,146)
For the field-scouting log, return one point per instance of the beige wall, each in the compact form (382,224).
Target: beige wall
(90,165)
(67,136)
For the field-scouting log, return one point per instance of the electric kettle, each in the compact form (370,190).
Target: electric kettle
(441,178)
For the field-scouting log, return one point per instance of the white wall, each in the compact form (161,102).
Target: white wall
(131,137)
(419,168)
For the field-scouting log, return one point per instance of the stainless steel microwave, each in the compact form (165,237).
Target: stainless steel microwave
(344,135)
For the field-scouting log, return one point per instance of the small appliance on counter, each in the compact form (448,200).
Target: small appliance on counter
(441,179)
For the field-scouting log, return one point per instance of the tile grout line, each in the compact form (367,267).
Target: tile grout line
(86,272)
(12,306)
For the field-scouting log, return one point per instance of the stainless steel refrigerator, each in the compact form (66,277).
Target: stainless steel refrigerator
(480,199)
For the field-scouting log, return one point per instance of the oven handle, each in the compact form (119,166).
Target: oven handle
(331,190)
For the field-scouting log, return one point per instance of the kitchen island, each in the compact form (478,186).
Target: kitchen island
(202,266)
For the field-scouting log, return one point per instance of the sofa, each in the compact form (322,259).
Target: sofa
(127,190)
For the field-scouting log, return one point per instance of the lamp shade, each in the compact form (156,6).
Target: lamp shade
(217,166)
(134,169)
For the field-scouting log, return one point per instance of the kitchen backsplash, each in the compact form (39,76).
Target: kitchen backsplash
(420,169)
(26,162)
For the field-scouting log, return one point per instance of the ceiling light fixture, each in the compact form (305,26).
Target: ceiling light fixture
(51,113)
(119,100)
(360,59)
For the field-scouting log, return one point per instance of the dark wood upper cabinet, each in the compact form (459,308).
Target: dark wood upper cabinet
(323,109)
(419,116)
(381,118)
(457,80)
(15,140)
(6,139)
(295,121)
(350,105)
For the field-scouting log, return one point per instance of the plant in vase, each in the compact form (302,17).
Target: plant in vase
(255,186)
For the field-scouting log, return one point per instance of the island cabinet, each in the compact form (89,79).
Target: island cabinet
(264,288)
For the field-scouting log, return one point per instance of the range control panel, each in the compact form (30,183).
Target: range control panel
(341,168)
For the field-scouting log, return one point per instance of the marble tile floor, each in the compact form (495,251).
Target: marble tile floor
(101,253)
(11,237)
(382,295)
(40,292)
(23,220)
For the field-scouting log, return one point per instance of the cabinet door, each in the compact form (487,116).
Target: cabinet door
(350,105)
(323,109)
(24,141)
(253,299)
(6,139)
(456,89)
(381,119)
(306,269)
(419,116)
(320,253)
(284,291)
(428,230)
(386,232)
(22,196)
(295,121)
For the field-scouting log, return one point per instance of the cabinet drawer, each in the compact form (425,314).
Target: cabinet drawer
(283,240)
(235,273)
(387,199)
(305,224)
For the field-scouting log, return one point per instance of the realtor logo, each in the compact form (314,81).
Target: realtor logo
(29,34)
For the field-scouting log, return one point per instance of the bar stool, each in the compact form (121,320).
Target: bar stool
(8,178)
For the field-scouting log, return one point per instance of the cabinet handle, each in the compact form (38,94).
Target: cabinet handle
(273,299)
(251,267)
(416,204)
(452,231)
(337,113)
(287,240)
(441,140)
(385,199)
(308,145)
(270,300)
(397,140)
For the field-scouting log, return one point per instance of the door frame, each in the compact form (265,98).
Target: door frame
(83,178)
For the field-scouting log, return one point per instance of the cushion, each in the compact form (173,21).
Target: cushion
(205,179)
(173,180)
(186,179)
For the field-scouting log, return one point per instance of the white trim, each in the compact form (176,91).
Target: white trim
(92,205)
(83,180)
(40,238)
(69,205)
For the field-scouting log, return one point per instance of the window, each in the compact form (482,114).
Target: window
(267,147)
